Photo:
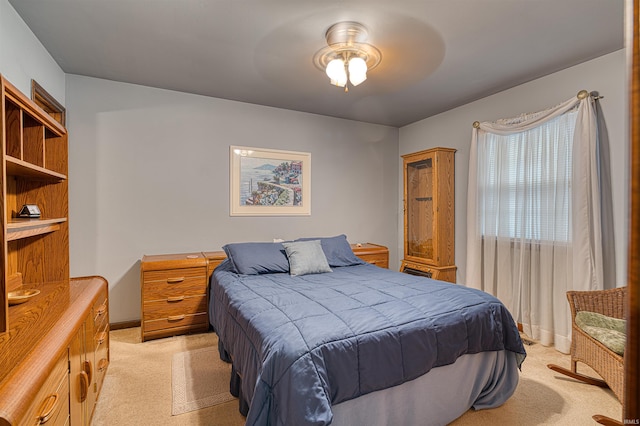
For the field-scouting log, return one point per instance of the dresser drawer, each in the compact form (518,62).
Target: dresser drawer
(183,322)
(174,307)
(101,312)
(101,361)
(51,404)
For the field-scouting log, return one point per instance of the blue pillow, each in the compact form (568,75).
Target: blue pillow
(306,257)
(257,258)
(337,250)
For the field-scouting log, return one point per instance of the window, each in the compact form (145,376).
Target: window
(524,186)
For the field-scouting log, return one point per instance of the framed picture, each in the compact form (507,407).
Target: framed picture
(269,182)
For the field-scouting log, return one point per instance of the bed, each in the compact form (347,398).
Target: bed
(349,343)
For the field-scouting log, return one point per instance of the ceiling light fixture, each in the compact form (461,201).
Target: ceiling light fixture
(347,57)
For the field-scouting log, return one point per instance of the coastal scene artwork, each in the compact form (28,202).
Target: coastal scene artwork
(268,182)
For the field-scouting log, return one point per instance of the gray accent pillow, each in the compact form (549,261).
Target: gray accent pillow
(306,257)
(257,258)
(337,250)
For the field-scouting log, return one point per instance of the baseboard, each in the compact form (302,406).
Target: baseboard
(124,324)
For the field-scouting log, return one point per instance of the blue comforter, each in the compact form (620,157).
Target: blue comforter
(304,343)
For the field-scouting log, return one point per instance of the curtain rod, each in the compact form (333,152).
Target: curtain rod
(581,95)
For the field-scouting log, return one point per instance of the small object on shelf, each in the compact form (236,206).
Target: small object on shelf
(29,211)
(21,296)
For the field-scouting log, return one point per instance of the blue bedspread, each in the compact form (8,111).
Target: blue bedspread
(304,343)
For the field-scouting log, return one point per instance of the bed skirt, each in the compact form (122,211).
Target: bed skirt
(484,380)
(479,381)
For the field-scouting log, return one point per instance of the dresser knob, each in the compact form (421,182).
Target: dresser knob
(48,408)
(102,365)
(101,337)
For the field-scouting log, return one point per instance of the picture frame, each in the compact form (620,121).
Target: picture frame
(269,182)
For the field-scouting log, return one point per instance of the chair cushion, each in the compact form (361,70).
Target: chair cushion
(609,331)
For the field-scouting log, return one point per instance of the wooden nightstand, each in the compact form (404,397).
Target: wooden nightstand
(372,253)
(174,294)
(214,258)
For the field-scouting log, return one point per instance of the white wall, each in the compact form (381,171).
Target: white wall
(22,57)
(606,74)
(149,173)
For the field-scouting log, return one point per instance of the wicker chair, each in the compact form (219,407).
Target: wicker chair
(584,348)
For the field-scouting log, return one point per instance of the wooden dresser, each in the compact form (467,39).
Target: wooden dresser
(174,294)
(55,355)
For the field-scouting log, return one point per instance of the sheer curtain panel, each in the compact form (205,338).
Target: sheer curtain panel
(534,228)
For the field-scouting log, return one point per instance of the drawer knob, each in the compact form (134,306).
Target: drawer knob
(102,309)
(88,368)
(84,386)
(175,299)
(48,408)
(175,318)
(101,337)
(102,365)
(175,280)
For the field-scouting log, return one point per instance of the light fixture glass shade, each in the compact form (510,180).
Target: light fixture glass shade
(347,57)
(357,70)
(337,72)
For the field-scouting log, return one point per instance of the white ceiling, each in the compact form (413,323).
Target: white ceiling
(436,54)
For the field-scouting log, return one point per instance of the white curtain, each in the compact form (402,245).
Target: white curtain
(534,228)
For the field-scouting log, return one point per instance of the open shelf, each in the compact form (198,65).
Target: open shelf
(22,228)
(18,167)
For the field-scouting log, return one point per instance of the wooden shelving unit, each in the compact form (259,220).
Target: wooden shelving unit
(54,347)
(33,171)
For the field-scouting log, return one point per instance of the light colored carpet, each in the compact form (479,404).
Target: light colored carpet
(137,389)
(198,382)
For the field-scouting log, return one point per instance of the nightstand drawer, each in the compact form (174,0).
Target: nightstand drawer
(189,286)
(177,321)
(174,307)
(174,276)
(380,260)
